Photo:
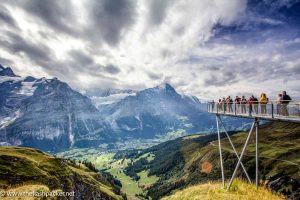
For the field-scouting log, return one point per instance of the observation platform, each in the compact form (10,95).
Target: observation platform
(271,111)
(289,112)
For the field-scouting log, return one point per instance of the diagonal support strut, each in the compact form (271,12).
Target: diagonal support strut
(237,155)
(242,154)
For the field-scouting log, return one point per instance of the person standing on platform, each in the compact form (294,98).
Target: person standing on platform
(243,103)
(224,104)
(237,102)
(263,103)
(250,102)
(229,104)
(278,104)
(286,99)
(255,104)
(219,105)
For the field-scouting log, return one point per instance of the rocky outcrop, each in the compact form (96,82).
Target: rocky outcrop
(285,185)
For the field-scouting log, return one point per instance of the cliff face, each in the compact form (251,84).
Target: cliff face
(48,114)
(27,167)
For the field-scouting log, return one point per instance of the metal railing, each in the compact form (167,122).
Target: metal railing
(270,109)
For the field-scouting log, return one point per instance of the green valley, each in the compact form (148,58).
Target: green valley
(172,169)
(111,163)
(193,160)
(188,161)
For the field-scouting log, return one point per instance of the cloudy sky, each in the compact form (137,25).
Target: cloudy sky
(208,48)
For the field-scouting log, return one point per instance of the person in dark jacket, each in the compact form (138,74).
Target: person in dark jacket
(255,104)
(286,99)
(237,102)
(229,102)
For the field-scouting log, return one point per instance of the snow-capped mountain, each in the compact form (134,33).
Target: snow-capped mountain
(48,114)
(6,74)
(156,111)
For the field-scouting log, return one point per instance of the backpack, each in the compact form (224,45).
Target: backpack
(286,98)
(255,100)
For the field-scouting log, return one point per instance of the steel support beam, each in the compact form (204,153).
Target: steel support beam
(256,154)
(220,152)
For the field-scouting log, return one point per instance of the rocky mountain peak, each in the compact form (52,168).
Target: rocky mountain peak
(165,86)
(7,72)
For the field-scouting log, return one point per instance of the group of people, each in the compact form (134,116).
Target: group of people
(253,103)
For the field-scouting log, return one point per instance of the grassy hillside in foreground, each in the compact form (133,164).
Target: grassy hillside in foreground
(26,169)
(191,160)
(212,191)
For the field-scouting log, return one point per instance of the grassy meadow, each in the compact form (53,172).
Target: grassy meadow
(212,191)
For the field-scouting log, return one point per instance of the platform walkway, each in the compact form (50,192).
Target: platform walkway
(271,111)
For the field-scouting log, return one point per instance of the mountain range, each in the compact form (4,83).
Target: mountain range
(155,111)
(48,114)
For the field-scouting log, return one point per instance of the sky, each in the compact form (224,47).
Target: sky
(207,48)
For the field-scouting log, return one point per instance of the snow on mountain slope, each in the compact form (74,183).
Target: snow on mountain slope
(104,97)
(48,114)
(8,78)
(112,98)
(27,88)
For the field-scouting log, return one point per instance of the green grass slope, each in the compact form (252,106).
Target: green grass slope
(31,168)
(194,159)
(212,191)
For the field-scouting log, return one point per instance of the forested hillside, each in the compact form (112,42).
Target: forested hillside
(195,159)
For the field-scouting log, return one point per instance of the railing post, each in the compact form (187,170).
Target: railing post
(234,108)
(249,109)
(256,154)
(272,106)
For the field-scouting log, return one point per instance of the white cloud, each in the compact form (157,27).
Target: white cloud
(149,42)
